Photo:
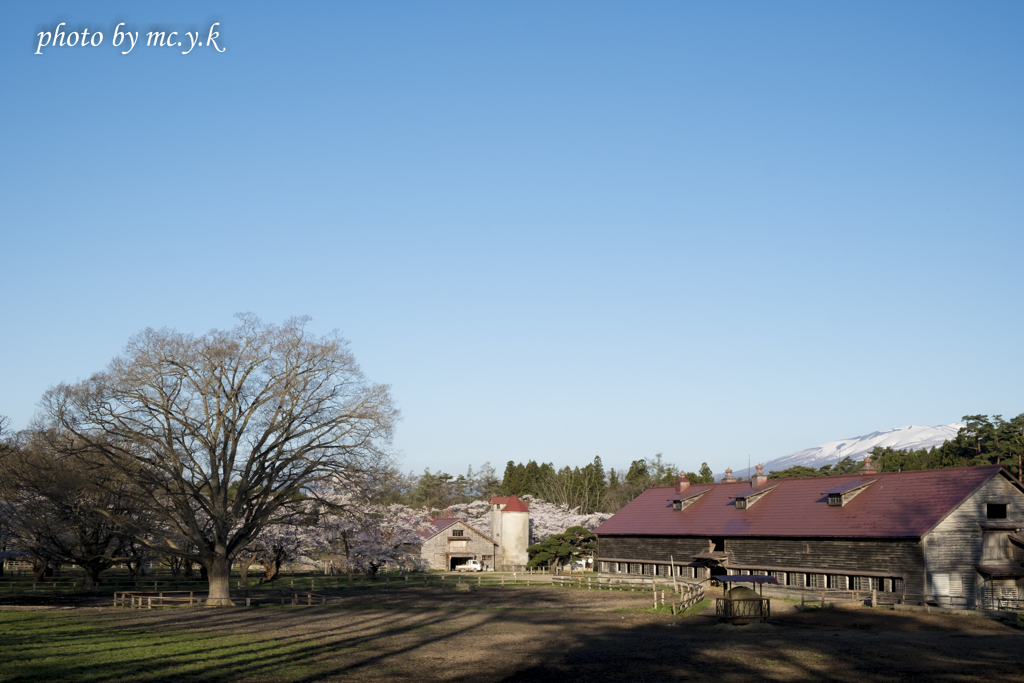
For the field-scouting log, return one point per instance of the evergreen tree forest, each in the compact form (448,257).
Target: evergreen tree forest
(591,488)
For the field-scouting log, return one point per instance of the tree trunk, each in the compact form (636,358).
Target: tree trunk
(92,577)
(39,569)
(243,565)
(218,572)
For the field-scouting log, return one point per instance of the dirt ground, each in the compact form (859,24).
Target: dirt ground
(553,634)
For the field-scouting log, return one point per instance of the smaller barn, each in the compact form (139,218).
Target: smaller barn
(451,542)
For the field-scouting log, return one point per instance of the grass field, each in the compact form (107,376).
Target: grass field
(495,634)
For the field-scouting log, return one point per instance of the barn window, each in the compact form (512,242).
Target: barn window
(996,511)
(649,569)
(866,583)
(897,585)
(457,532)
(816,581)
(717,545)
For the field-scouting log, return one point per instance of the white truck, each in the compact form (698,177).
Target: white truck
(470,566)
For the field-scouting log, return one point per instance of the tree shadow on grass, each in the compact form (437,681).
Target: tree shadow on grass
(318,644)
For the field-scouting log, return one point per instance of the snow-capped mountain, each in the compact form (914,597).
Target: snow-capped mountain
(913,437)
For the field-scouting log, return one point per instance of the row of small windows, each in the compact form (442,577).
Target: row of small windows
(840,582)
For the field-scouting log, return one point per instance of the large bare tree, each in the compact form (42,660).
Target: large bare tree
(223,432)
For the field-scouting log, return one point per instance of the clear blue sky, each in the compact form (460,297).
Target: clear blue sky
(557,230)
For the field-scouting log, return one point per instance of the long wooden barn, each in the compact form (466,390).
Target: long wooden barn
(950,535)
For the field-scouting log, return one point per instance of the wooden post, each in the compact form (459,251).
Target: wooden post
(675,583)
(823,599)
(247,603)
(874,597)
(312,584)
(309,598)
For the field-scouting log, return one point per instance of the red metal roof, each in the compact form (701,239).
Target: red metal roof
(898,504)
(511,503)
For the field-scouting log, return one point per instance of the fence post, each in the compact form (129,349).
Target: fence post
(247,604)
(874,598)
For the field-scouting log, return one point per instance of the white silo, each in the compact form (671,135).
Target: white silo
(510,528)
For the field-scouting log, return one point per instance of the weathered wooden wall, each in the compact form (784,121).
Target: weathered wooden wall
(852,557)
(955,545)
(437,549)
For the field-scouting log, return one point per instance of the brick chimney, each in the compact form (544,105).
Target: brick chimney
(683,482)
(728,478)
(867,468)
(759,478)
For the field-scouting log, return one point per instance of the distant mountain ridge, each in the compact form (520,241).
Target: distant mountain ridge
(912,437)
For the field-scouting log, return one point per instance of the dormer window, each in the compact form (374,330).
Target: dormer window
(683,501)
(844,493)
(751,496)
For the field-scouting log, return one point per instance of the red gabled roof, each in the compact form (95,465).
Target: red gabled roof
(439,526)
(897,505)
(511,503)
